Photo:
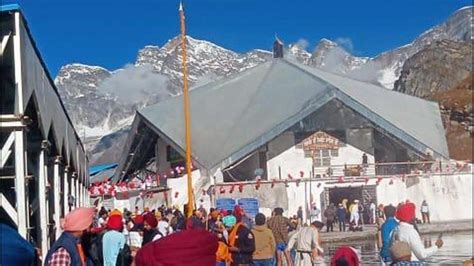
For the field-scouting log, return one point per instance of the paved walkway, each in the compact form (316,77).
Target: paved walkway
(370,231)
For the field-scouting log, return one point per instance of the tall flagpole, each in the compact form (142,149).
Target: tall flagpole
(187,125)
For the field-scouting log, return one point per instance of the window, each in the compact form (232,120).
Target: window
(322,158)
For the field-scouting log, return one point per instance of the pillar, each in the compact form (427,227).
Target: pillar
(66,190)
(42,201)
(77,196)
(79,192)
(56,196)
(20,183)
(73,189)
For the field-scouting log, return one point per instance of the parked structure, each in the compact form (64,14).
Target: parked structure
(43,171)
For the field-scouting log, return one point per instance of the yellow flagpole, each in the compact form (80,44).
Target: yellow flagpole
(187,125)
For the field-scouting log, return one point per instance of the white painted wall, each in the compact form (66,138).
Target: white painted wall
(452,203)
(448,196)
(180,185)
(292,160)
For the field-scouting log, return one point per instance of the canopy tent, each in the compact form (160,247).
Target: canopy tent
(234,116)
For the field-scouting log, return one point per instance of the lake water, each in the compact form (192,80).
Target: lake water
(457,248)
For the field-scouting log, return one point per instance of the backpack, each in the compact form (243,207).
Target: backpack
(124,257)
(95,251)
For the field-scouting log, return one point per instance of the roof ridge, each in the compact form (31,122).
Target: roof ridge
(301,66)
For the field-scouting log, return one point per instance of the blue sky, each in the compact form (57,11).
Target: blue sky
(109,33)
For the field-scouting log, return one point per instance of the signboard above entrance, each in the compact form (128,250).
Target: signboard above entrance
(320,141)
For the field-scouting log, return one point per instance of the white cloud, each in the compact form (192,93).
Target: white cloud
(302,43)
(135,84)
(345,43)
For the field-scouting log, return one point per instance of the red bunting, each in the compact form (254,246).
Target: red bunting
(301,174)
(341,179)
(176,194)
(366,180)
(391,182)
(273,183)
(290,176)
(222,190)
(241,188)
(231,189)
(379,179)
(257,186)
(318,185)
(298,183)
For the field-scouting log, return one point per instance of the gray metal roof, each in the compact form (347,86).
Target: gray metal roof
(232,117)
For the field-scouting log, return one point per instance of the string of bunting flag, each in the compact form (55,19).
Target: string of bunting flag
(108,188)
(230,187)
(134,183)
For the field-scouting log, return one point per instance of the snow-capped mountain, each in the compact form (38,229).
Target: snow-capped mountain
(103,102)
(385,68)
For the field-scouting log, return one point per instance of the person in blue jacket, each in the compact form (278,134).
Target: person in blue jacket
(387,230)
(14,249)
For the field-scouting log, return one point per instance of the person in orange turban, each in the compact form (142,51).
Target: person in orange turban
(68,246)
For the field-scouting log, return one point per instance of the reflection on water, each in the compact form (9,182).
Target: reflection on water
(456,249)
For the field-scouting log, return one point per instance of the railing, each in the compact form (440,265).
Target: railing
(392,168)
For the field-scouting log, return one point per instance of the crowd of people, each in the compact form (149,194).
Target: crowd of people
(165,236)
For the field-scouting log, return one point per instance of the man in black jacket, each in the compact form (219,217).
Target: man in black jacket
(241,241)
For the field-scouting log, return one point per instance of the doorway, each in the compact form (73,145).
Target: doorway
(337,194)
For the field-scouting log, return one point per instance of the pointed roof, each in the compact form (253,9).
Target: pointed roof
(232,117)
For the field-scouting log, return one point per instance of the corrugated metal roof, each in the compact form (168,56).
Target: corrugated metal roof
(236,115)
(101,176)
(9,7)
(95,169)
